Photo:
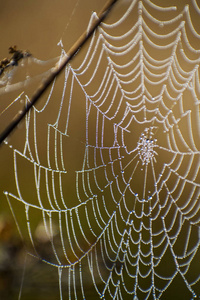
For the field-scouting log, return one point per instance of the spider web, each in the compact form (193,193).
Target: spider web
(111,160)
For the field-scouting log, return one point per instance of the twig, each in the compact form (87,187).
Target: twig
(57,70)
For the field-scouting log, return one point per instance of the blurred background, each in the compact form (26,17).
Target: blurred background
(38,26)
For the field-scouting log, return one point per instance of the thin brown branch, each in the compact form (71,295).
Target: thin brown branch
(57,70)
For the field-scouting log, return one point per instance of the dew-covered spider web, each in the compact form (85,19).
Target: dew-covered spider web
(111,158)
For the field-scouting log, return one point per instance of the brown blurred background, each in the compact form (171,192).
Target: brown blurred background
(37,26)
